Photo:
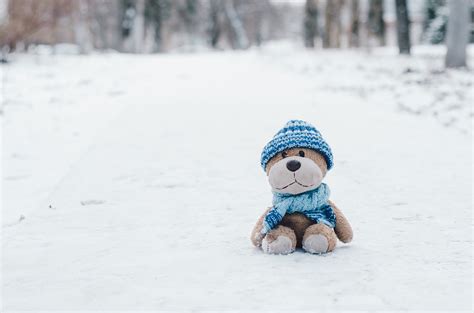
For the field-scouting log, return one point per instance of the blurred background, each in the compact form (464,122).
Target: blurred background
(161,26)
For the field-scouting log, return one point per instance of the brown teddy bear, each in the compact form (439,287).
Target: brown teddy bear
(302,216)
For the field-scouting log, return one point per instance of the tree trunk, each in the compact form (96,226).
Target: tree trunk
(376,22)
(190,20)
(258,17)
(215,7)
(457,33)
(332,24)
(138,29)
(241,39)
(106,24)
(403,26)
(310,23)
(158,33)
(355,22)
(81,29)
(156,14)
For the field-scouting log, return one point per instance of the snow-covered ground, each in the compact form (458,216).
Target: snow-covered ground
(133,182)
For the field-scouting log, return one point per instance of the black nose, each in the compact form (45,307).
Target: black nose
(293,165)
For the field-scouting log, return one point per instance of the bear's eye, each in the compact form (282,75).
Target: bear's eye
(301,153)
(284,154)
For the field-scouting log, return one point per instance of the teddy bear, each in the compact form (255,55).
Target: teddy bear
(296,161)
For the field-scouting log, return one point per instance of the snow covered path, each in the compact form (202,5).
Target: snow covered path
(147,185)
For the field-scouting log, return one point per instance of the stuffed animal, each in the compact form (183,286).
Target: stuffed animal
(296,160)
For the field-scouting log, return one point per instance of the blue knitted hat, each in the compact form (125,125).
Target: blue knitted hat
(296,134)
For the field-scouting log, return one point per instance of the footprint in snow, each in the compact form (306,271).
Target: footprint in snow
(92,202)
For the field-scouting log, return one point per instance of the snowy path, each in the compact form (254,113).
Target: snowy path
(152,205)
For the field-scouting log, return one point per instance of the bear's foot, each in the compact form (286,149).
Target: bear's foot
(316,244)
(281,245)
(319,238)
(281,240)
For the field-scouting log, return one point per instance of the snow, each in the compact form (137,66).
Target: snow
(133,182)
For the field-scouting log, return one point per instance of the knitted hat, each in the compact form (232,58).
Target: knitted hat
(296,134)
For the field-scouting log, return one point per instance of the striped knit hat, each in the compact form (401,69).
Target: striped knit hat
(296,134)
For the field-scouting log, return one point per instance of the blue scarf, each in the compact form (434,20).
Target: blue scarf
(314,204)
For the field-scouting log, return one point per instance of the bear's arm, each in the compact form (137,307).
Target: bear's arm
(343,229)
(256,237)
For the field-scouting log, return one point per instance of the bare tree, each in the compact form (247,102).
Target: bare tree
(215,11)
(458,32)
(376,23)
(403,26)
(30,21)
(81,27)
(258,19)
(254,16)
(355,24)
(332,34)
(311,23)
(156,13)
(188,13)
(143,25)
(241,40)
(105,24)
(138,29)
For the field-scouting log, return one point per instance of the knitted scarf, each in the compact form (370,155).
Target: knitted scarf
(314,204)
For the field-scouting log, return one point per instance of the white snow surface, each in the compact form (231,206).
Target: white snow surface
(133,182)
